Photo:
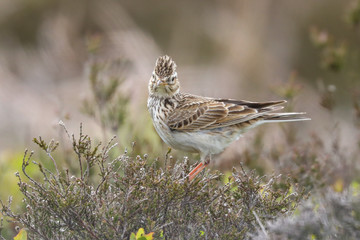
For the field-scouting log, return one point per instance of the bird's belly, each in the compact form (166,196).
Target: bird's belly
(203,141)
(173,140)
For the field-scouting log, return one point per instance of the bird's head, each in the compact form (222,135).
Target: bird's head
(164,81)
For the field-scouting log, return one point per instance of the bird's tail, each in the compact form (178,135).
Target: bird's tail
(285,117)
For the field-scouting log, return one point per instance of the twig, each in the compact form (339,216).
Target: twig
(259,222)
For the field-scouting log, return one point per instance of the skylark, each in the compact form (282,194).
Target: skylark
(200,124)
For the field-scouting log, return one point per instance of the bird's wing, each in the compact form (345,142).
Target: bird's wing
(198,113)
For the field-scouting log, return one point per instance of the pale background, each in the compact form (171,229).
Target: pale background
(235,49)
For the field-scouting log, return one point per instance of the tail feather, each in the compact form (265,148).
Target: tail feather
(286,117)
(271,109)
(257,105)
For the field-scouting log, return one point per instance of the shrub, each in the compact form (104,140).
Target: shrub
(112,196)
(332,215)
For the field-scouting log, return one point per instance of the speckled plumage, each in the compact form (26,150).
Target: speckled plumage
(199,124)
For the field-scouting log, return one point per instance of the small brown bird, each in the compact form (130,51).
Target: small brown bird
(200,124)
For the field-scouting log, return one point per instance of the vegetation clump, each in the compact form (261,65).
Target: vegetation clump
(333,215)
(113,195)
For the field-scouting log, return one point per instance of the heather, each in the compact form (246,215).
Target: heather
(79,158)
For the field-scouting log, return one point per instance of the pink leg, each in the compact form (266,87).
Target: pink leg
(198,169)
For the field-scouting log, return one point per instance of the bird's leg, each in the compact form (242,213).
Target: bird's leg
(196,171)
(199,168)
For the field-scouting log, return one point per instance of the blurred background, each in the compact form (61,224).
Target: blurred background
(56,56)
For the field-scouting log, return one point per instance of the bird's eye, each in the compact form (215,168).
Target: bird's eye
(171,79)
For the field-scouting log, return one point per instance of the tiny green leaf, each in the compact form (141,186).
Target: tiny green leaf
(22,235)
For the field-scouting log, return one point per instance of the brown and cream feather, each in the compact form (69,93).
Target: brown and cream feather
(200,124)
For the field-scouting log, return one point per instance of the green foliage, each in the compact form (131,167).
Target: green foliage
(112,196)
(22,235)
(140,235)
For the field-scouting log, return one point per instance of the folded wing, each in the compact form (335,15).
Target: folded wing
(198,113)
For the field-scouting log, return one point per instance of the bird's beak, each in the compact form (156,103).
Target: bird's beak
(160,83)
